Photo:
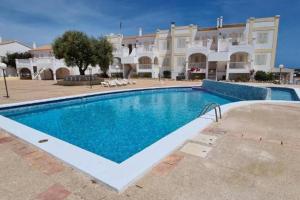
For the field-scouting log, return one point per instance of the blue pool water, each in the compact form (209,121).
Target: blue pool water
(283,94)
(117,126)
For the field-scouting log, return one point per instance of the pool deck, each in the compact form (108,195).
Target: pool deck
(255,156)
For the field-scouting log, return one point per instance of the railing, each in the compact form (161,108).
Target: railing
(145,66)
(114,67)
(146,49)
(197,65)
(211,106)
(238,65)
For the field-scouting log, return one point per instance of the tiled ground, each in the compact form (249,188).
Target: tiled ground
(255,156)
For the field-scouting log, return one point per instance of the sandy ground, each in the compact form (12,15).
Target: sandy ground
(256,156)
(24,90)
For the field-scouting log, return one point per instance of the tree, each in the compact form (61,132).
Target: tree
(76,49)
(103,53)
(10,58)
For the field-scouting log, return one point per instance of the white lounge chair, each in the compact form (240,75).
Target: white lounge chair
(132,82)
(125,81)
(119,83)
(105,84)
(112,83)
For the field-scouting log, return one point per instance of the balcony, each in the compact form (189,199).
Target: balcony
(41,62)
(146,50)
(24,63)
(199,46)
(200,65)
(145,68)
(239,67)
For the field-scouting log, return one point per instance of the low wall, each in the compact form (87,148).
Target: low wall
(243,92)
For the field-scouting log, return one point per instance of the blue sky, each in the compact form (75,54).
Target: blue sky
(42,21)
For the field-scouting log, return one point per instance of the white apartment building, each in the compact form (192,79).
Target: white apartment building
(221,52)
(225,51)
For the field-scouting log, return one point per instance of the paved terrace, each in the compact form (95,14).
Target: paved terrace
(255,156)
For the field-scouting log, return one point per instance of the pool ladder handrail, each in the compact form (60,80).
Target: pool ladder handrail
(211,106)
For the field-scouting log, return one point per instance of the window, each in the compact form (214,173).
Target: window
(261,59)
(181,61)
(181,43)
(262,37)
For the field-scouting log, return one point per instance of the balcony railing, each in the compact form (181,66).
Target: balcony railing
(116,67)
(146,49)
(201,65)
(239,65)
(145,66)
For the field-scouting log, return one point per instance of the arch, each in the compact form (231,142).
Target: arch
(117,61)
(239,57)
(197,61)
(62,72)
(47,74)
(155,61)
(197,58)
(25,73)
(145,60)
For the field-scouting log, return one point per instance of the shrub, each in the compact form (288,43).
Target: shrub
(270,76)
(241,79)
(145,75)
(167,74)
(261,76)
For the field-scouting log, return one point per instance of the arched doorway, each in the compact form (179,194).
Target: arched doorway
(197,66)
(145,62)
(25,73)
(62,72)
(47,74)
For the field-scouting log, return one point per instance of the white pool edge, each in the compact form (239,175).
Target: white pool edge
(117,176)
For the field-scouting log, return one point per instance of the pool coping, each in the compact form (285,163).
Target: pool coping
(117,176)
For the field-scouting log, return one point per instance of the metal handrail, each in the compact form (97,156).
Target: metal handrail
(211,106)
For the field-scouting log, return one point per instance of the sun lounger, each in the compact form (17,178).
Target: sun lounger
(119,83)
(125,81)
(105,84)
(112,83)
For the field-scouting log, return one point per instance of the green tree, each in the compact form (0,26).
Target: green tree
(103,53)
(10,58)
(76,49)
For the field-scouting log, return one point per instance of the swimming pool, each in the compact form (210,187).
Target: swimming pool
(116,126)
(279,93)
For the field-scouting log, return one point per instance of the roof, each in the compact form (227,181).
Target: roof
(14,41)
(239,25)
(136,36)
(43,48)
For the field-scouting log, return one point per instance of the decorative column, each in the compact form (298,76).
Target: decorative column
(206,69)
(227,70)
(186,67)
